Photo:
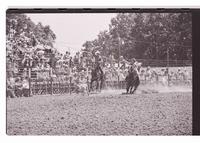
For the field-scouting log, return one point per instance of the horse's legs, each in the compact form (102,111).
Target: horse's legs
(97,87)
(136,85)
(90,88)
(135,88)
(129,89)
(101,84)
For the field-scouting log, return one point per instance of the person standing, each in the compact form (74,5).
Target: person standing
(10,90)
(25,87)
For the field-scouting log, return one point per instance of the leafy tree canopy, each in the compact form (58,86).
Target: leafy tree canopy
(146,36)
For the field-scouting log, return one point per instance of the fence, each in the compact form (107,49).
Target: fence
(165,63)
(41,82)
(50,86)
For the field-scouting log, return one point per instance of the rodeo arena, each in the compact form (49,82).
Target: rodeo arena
(53,93)
(64,74)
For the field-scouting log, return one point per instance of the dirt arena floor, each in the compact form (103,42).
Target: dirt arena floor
(108,113)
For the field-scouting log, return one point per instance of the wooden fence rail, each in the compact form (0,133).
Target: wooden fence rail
(49,87)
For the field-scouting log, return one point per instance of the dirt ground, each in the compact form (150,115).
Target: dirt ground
(108,113)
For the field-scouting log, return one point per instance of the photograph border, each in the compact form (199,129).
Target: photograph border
(195,42)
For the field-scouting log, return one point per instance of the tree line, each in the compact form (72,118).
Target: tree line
(146,36)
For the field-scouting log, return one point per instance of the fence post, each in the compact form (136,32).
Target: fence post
(29,80)
(70,81)
(51,81)
(87,78)
(46,84)
(118,82)
(70,75)
(29,77)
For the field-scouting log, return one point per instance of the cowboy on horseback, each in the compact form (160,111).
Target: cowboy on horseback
(132,79)
(97,72)
(98,61)
(136,65)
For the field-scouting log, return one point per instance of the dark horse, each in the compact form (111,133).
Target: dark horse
(132,80)
(97,76)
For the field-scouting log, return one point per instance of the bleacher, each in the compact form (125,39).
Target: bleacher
(39,85)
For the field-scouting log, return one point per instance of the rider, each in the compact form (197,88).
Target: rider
(98,60)
(123,63)
(96,70)
(136,65)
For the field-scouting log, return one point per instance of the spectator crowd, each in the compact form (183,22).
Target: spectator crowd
(45,64)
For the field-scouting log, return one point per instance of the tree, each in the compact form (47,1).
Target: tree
(147,36)
(22,35)
(21,31)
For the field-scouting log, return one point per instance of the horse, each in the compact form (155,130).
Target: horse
(132,80)
(97,75)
